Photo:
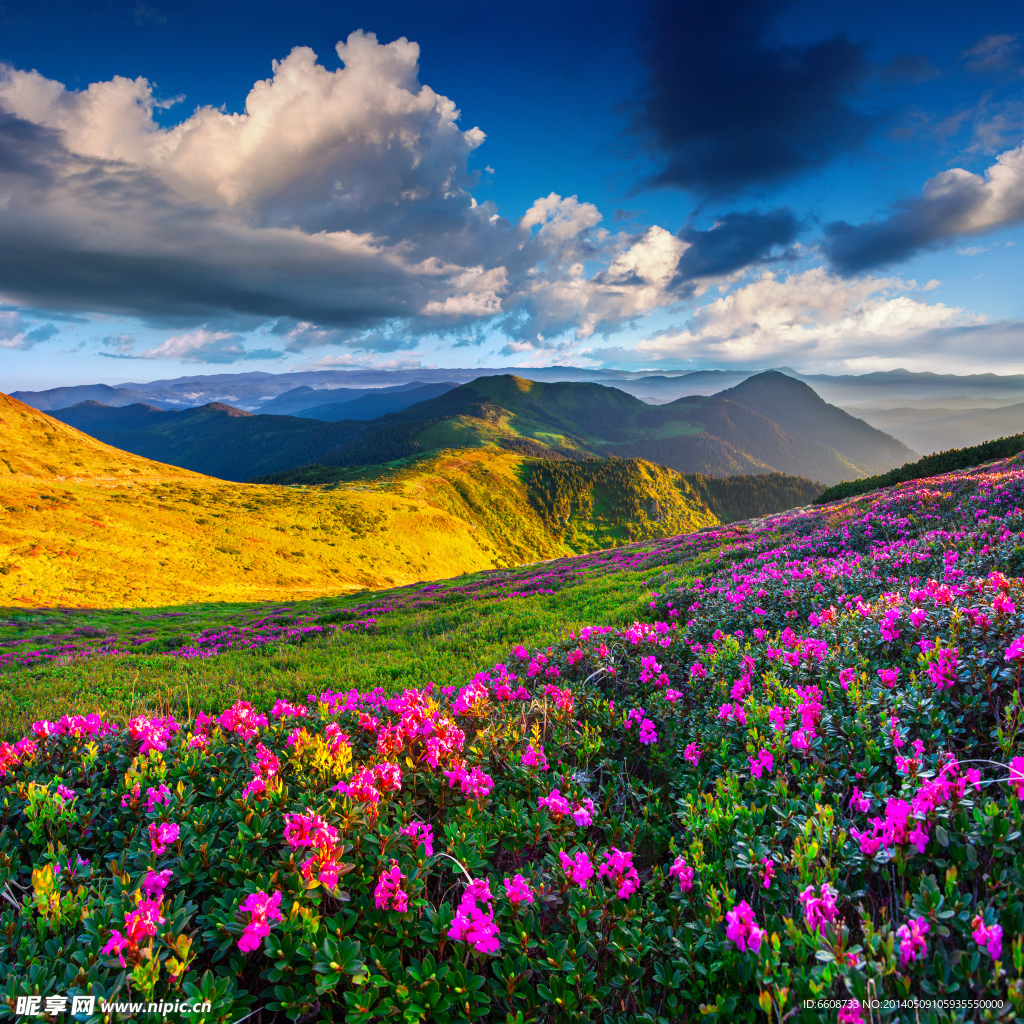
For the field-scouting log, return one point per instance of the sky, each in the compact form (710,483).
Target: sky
(232,186)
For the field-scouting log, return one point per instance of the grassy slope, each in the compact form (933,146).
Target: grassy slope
(413,648)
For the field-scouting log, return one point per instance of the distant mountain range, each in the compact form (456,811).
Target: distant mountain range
(926,411)
(768,423)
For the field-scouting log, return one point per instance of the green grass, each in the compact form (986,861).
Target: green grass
(444,646)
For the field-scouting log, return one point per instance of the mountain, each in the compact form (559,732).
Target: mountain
(62,398)
(769,423)
(89,525)
(938,427)
(217,440)
(379,402)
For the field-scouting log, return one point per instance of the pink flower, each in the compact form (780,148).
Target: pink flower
(820,909)
(742,928)
(768,872)
(473,925)
(389,894)
(161,795)
(578,869)
(534,758)
(420,832)
(692,754)
(672,695)
(847,676)
(859,802)
(308,830)
(262,908)
(849,1013)
(556,804)
(912,942)
(1017,776)
(518,891)
(583,814)
(888,676)
(155,882)
(764,762)
(618,869)
(684,873)
(116,944)
(161,836)
(1015,650)
(989,936)
(648,734)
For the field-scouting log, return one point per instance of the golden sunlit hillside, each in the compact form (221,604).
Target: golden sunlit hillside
(83,524)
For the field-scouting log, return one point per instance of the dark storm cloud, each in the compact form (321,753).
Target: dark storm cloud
(736,241)
(727,108)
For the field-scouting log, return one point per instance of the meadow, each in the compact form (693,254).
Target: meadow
(708,777)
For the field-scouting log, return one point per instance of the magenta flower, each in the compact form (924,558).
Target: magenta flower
(578,869)
(681,871)
(888,676)
(692,754)
(161,836)
(742,928)
(618,869)
(648,734)
(155,882)
(912,941)
(420,832)
(535,758)
(1015,650)
(820,909)
(556,804)
(849,1013)
(116,945)
(583,814)
(764,762)
(308,830)
(389,894)
(768,871)
(1017,776)
(474,925)
(262,908)
(859,802)
(160,795)
(518,891)
(989,936)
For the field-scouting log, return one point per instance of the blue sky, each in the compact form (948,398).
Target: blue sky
(831,186)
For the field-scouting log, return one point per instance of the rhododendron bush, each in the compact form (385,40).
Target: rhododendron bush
(799,776)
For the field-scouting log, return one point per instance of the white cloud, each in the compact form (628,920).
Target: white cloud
(204,346)
(16,331)
(337,199)
(952,203)
(810,317)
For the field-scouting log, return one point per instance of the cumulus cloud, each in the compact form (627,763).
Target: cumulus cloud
(726,108)
(809,317)
(951,204)
(337,204)
(206,346)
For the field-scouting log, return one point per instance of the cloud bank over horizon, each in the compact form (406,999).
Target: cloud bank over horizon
(341,210)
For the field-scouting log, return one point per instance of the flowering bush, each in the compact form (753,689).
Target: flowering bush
(802,779)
